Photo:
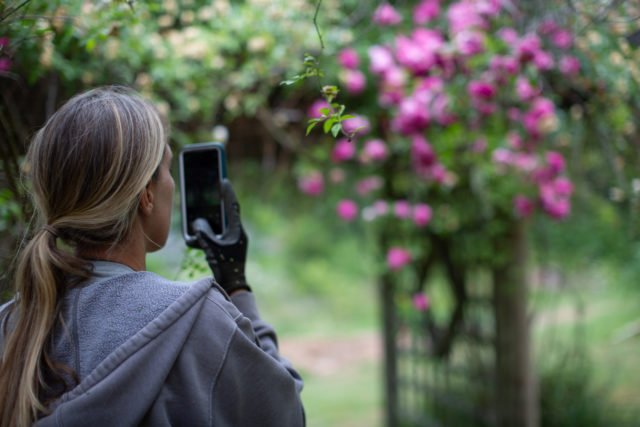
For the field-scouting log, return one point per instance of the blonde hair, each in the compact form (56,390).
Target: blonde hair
(87,168)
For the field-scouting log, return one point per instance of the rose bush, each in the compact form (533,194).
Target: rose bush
(456,127)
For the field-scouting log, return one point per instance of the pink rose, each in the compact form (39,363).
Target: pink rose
(381,207)
(358,125)
(314,110)
(508,35)
(347,210)
(398,257)
(527,47)
(421,302)
(413,115)
(348,58)
(569,65)
(543,60)
(402,209)
(343,150)
(525,89)
(422,154)
(422,214)
(562,38)
(380,59)
(425,11)
(354,81)
(563,186)
(386,15)
(469,42)
(312,184)
(547,27)
(463,15)
(555,161)
(368,184)
(523,206)
(374,150)
(481,89)
(502,156)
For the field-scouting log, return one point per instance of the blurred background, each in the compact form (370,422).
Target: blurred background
(476,264)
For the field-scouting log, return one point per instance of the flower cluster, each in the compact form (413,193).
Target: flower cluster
(455,66)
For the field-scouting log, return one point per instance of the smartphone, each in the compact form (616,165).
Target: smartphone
(202,167)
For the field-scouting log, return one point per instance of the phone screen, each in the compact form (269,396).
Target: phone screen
(202,176)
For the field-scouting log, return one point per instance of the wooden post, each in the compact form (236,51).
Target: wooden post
(389,336)
(516,390)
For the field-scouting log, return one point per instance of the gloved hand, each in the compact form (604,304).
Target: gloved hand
(227,253)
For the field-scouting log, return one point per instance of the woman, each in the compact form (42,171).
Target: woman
(91,338)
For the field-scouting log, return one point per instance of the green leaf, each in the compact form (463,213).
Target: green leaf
(311,126)
(335,129)
(328,124)
(91,44)
(347,116)
(325,111)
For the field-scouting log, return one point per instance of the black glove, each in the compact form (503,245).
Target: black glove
(227,253)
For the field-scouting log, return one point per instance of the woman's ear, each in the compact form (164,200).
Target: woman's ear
(146,200)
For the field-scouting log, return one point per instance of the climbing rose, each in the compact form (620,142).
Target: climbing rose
(354,81)
(569,65)
(402,209)
(343,150)
(374,150)
(347,210)
(425,11)
(386,15)
(421,302)
(522,206)
(398,257)
(314,110)
(358,125)
(348,58)
(312,184)
(422,214)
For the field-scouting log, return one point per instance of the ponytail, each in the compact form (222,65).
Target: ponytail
(87,167)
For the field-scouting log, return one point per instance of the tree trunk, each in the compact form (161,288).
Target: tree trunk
(516,390)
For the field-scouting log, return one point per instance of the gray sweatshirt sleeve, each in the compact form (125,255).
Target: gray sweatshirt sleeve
(266,387)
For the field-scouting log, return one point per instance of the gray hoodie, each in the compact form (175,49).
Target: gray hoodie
(150,351)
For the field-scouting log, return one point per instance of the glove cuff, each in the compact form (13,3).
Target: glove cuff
(239,286)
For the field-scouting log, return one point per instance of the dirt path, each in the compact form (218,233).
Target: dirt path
(324,356)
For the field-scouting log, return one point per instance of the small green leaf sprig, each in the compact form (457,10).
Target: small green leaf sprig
(332,116)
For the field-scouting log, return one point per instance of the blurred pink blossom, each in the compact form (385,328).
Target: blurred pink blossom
(562,38)
(563,186)
(381,207)
(386,15)
(488,7)
(398,257)
(348,58)
(374,150)
(314,110)
(463,15)
(438,173)
(508,35)
(413,115)
(380,59)
(469,42)
(420,301)
(569,65)
(358,125)
(547,27)
(441,112)
(402,209)
(543,60)
(425,11)
(515,141)
(422,214)
(312,184)
(526,162)
(525,90)
(481,89)
(5,63)
(343,150)
(422,154)
(541,109)
(368,184)
(523,206)
(354,81)
(420,52)
(4,42)
(347,210)
(555,204)
(480,145)
(527,47)
(502,156)
(555,161)
(514,114)
(392,87)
